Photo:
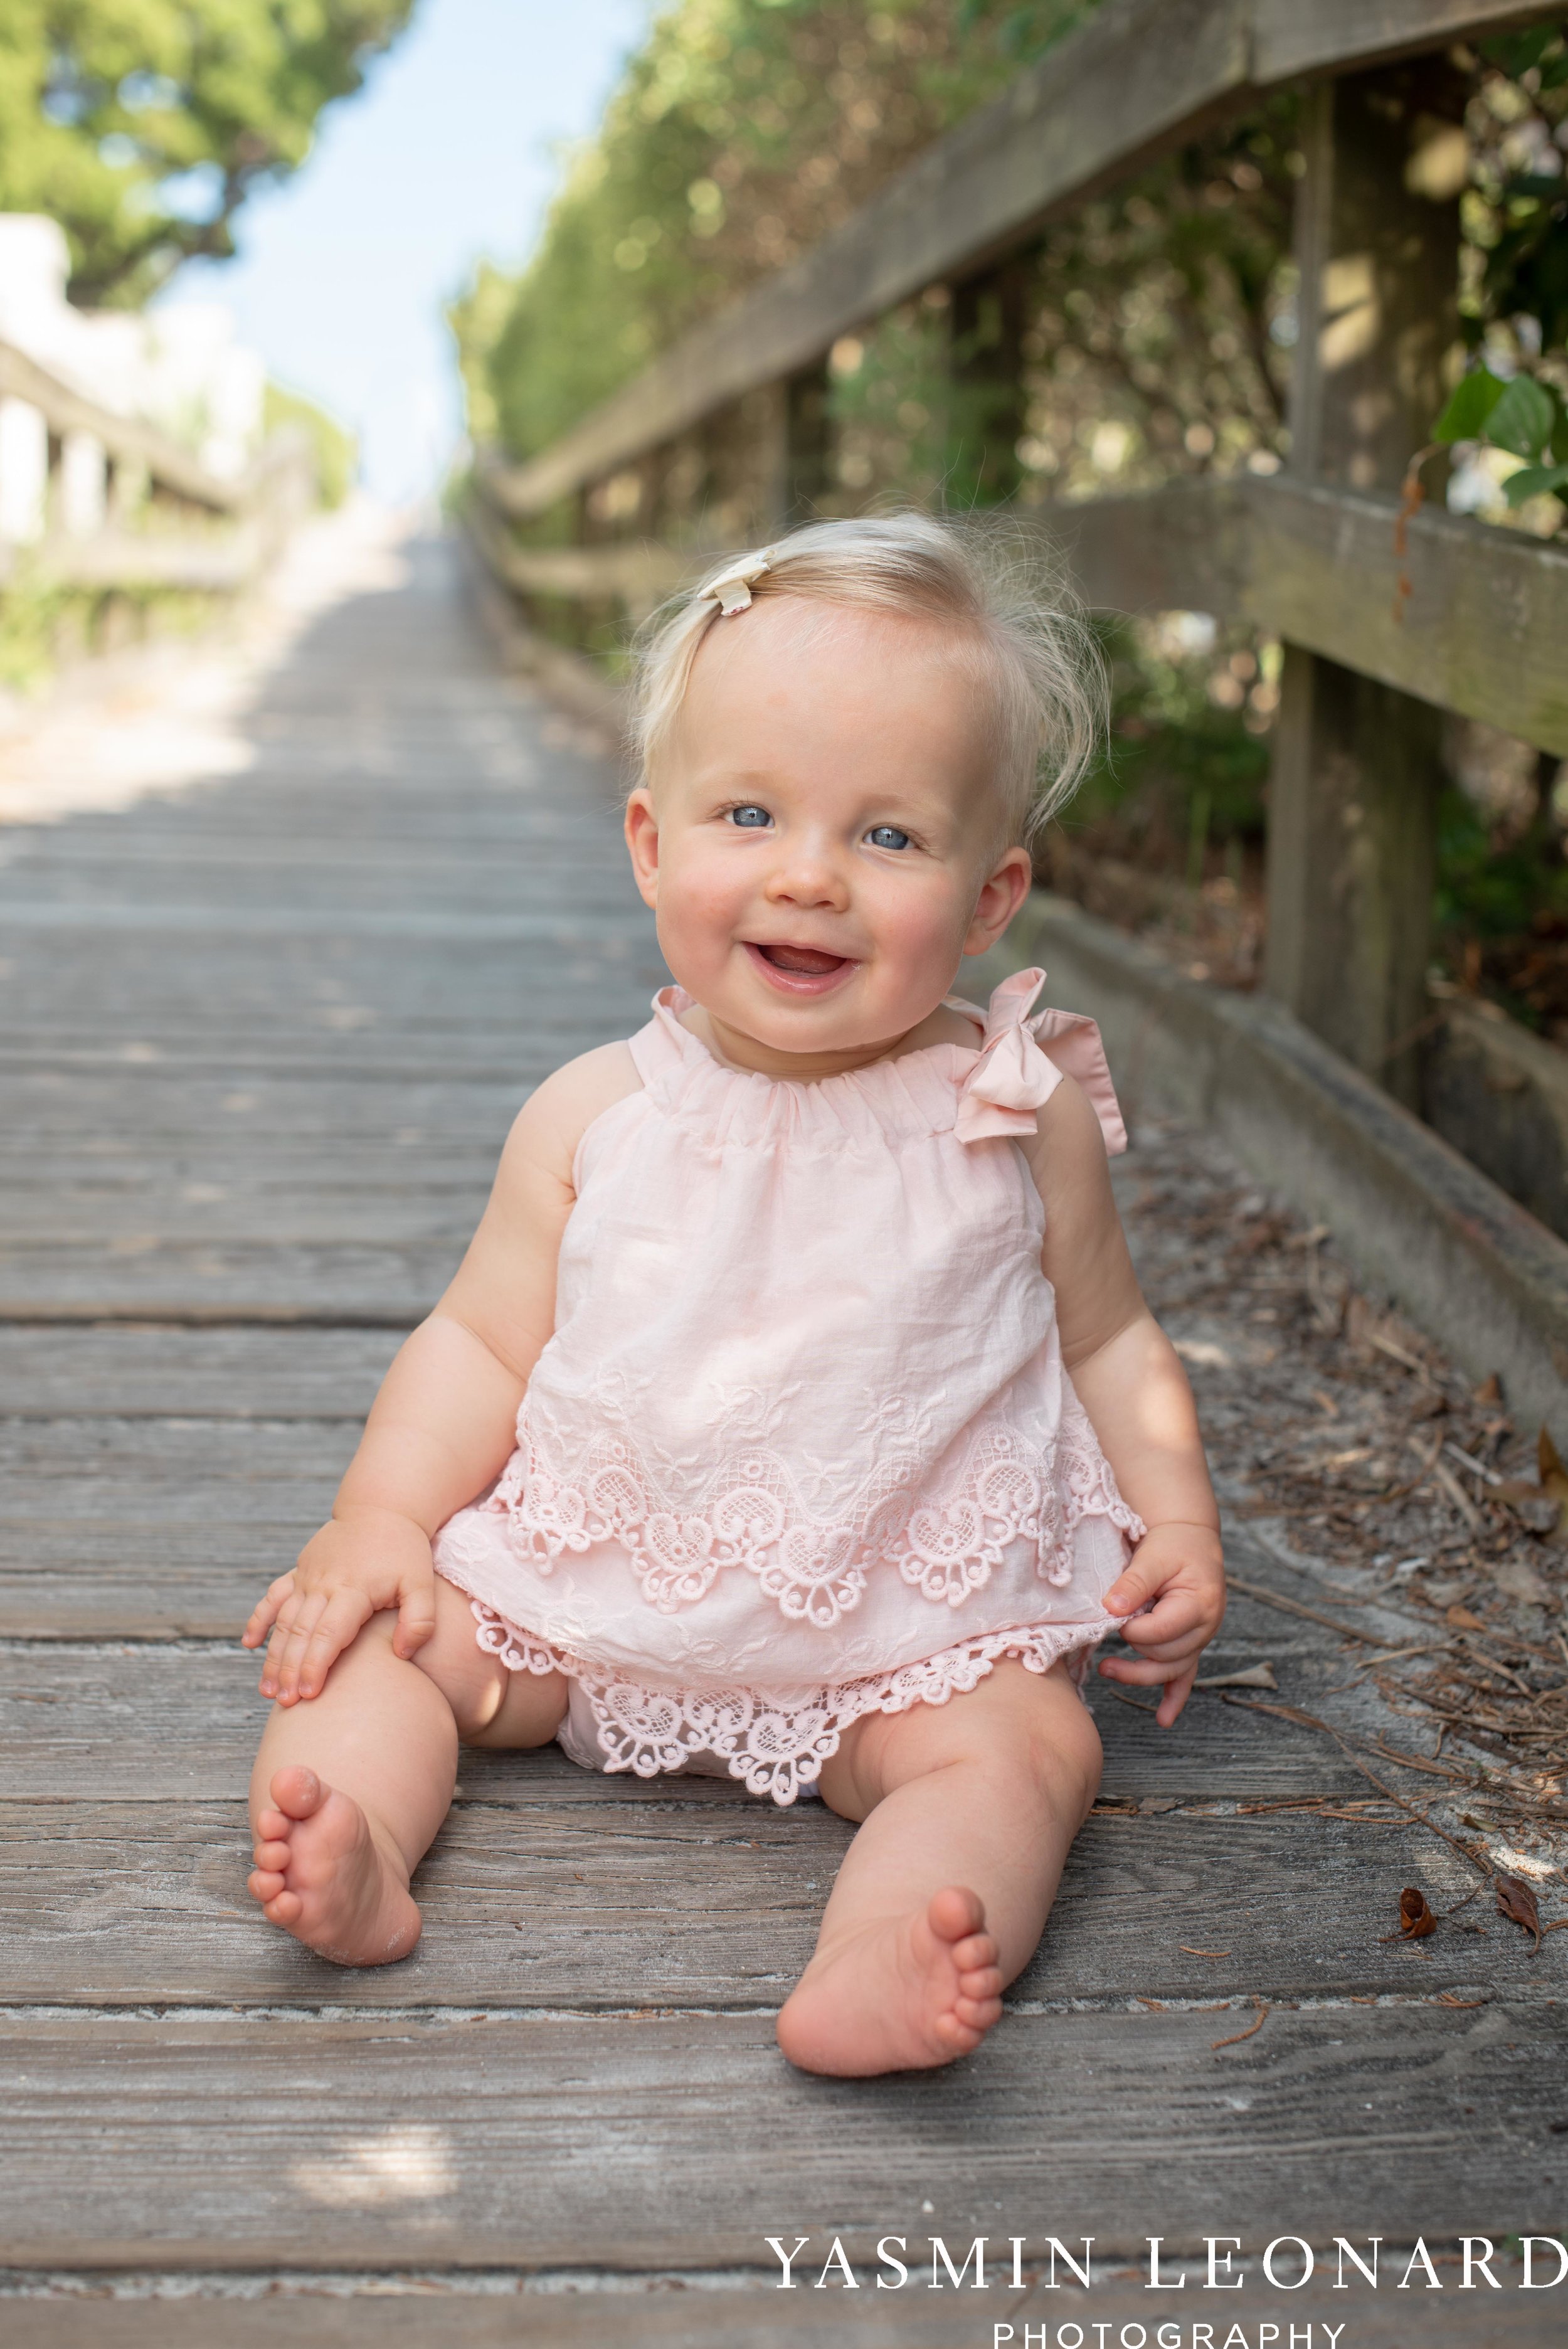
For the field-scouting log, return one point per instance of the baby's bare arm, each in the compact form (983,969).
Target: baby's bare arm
(1131,1383)
(442,1426)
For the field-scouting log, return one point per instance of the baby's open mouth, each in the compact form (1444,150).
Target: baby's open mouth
(800,970)
(809,961)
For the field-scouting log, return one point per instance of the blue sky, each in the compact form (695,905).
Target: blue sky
(448,153)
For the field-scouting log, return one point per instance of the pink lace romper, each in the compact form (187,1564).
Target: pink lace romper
(801,1446)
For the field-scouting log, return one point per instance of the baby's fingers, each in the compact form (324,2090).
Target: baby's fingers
(343,1617)
(272,1662)
(1175,1615)
(1177,1685)
(265,1613)
(415,1617)
(1177,1693)
(1143,1672)
(280,1675)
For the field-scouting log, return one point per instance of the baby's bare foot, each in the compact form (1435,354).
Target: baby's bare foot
(321,1874)
(900,1994)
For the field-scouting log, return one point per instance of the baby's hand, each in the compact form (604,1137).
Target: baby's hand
(356,1565)
(1178,1568)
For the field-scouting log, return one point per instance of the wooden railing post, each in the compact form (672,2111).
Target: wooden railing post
(1356,767)
(988,321)
(805,461)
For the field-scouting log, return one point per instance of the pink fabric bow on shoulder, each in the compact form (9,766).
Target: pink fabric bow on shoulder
(1022,1061)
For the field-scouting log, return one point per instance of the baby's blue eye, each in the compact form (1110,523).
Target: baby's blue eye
(750,819)
(887,835)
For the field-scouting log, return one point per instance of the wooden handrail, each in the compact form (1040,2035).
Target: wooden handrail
(1140,78)
(639,573)
(1471,619)
(125,436)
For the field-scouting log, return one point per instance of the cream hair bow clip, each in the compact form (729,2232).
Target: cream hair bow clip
(731,591)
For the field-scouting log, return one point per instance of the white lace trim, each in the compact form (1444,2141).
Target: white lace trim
(774,1749)
(945,1544)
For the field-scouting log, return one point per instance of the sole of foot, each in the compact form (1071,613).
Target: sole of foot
(321,1875)
(902,1994)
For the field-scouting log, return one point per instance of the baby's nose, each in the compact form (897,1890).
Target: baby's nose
(807,877)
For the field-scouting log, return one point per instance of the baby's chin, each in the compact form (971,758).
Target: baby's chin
(813,1014)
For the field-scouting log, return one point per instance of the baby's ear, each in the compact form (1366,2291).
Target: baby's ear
(1002,893)
(642,829)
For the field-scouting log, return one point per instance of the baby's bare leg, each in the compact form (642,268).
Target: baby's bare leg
(968,1810)
(350,1786)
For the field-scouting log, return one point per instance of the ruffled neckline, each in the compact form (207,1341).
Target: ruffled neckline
(990,1088)
(909,1093)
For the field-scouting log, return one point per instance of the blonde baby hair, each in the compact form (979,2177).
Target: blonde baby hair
(1034,655)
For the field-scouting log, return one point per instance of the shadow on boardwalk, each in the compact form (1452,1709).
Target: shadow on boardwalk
(264,1039)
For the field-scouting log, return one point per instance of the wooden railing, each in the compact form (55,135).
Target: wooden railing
(1386,625)
(116,503)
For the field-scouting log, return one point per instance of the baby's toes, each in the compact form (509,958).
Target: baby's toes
(956,1914)
(983,1982)
(285,1908)
(976,1950)
(273,1854)
(263,1884)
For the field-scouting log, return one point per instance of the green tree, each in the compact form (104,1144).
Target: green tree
(141,126)
(743,131)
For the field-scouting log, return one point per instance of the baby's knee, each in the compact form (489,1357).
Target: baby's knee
(1059,1747)
(472,1681)
(491,1704)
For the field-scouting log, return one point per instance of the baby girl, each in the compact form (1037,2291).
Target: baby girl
(794,1414)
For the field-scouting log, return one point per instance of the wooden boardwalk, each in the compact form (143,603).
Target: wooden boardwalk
(263,1040)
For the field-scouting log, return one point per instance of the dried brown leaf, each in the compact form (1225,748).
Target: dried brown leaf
(1553,1484)
(1516,1901)
(1254,1676)
(1460,1620)
(1416,1919)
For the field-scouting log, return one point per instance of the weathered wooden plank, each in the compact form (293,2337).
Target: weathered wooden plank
(210,1374)
(161,1578)
(622,1903)
(159,1471)
(1140,78)
(152,1106)
(89,1219)
(321,915)
(376,2142)
(694,2309)
(226,1280)
(1336,36)
(161,1725)
(1480,631)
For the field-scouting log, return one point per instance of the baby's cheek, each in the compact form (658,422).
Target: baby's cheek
(920,929)
(699,904)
